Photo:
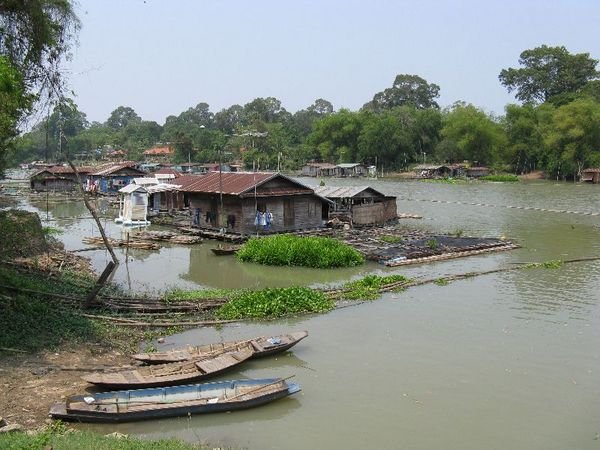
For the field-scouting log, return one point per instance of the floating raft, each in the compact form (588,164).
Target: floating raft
(401,261)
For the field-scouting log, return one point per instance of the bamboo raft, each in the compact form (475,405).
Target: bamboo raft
(99,243)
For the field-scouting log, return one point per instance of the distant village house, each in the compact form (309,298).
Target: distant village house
(591,175)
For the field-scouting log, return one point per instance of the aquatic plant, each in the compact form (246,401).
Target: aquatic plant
(441,281)
(552,264)
(432,243)
(290,250)
(367,288)
(177,294)
(274,302)
(504,178)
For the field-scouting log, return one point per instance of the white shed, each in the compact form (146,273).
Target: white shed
(133,205)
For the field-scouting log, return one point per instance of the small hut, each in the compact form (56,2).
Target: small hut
(319,170)
(591,175)
(133,205)
(362,204)
(476,172)
(351,170)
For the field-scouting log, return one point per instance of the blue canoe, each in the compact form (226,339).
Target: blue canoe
(154,403)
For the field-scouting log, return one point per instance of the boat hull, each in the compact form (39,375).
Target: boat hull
(172,373)
(261,348)
(174,401)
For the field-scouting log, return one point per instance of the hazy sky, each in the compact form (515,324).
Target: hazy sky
(161,57)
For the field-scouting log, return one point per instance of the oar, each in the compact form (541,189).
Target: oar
(258,388)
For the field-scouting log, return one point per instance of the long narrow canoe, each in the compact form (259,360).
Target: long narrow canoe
(262,346)
(172,373)
(154,403)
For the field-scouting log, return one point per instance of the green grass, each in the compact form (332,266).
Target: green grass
(505,178)
(274,302)
(56,436)
(367,288)
(34,322)
(290,250)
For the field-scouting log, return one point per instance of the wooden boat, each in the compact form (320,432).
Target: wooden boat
(229,250)
(172,373)
(262,346)
(154,403)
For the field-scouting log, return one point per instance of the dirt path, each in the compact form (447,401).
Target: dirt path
(29,384)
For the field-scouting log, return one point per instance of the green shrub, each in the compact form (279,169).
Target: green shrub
(274,302)
(290,250)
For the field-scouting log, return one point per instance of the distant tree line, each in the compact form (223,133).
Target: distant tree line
(556,128)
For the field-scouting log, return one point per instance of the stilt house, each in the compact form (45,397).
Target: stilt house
(250,202)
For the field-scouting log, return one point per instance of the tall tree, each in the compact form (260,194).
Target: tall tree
(525,138)
(407,90)
(336,136)
(547,72)
(35,36)
(573,137)
(476,136)
(121,117)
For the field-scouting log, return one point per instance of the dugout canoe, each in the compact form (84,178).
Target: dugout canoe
(262,346)
(172,373)
(172,401)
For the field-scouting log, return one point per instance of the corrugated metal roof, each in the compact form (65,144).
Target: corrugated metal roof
(591,170)
(349,165)
(112,168)
(163,187)
(237,183)
(145,181)
(132,188)
(322,165)
(343,191)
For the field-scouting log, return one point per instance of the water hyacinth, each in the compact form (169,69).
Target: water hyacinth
(274,302)
(290,250)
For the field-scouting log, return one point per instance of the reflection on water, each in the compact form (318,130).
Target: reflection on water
(506,360)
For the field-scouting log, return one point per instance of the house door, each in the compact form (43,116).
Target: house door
(289,213)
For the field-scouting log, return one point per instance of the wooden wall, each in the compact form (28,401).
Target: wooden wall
(374,213)
(306,212)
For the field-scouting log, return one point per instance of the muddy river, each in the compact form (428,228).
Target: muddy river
(505,361)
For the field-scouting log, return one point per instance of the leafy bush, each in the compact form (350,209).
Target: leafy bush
(368,287)
(274,302)
(290,250)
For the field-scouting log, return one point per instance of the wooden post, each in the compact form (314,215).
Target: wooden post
(110,267)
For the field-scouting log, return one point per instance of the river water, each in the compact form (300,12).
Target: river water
(504,361)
